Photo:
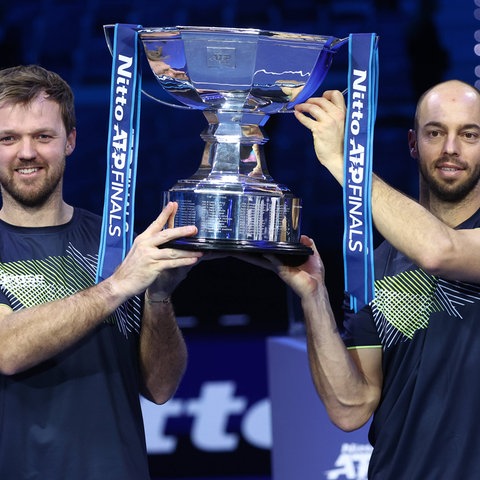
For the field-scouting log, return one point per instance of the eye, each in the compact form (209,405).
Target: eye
(434,133)
(470,135)
(7,139)
(43,137)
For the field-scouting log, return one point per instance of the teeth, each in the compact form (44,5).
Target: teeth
(27,170)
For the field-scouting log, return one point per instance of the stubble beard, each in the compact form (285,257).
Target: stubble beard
(31,197)
(453,192)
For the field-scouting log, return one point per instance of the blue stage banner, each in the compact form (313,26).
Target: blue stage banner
(218,423)
(247,407)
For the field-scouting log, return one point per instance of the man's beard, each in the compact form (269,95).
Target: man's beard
(29,197)
(451,193)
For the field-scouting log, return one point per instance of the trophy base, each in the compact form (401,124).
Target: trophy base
(291,254)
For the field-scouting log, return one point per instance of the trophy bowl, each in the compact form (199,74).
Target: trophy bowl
(237,77)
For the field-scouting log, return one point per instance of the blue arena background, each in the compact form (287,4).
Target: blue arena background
(218,426)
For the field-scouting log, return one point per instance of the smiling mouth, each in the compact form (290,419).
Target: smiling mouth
(26,171)
(450,169)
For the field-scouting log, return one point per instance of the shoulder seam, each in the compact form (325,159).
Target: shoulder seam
(358,347)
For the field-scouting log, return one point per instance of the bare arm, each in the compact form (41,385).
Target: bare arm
(163,354)
(407,225)
(32,335)
(426,240)
(349,383)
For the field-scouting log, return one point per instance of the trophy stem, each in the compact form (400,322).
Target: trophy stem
(232,197)
(235,150)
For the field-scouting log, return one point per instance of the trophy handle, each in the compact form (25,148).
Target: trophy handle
(108,30)
(163,102)
(319,73)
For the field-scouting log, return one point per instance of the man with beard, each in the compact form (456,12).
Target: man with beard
(410,358)
(74,354)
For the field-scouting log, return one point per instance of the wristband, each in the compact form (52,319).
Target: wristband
(165,301)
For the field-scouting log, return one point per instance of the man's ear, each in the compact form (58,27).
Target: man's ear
(71,142)
(412,143)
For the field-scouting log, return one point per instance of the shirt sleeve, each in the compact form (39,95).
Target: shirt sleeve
(359,328)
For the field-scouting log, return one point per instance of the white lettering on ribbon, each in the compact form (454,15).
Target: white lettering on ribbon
(356,156)
(119,149)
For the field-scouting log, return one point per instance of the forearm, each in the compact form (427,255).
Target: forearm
(32,335)
(163,353)
(348,397)
(415,231)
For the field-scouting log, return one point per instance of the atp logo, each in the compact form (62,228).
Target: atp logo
(352,463)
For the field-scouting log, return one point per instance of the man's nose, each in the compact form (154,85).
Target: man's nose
(450,146)
(27,149)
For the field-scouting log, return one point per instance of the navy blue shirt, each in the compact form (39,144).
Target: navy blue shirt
(76,416)
(426,425)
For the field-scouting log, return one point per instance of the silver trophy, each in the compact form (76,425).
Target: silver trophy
(238,78)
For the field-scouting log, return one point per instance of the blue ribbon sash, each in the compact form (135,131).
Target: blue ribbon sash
(358,150)
(122,152)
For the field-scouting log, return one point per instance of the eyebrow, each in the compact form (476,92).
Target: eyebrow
(467,126)
(47,130)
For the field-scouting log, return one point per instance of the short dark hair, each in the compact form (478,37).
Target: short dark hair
(21,84)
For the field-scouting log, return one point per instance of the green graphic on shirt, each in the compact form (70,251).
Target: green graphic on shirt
(33,282)
(28,283)
(407,300)
(404,303)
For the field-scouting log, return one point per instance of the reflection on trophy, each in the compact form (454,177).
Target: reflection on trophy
(238,78)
